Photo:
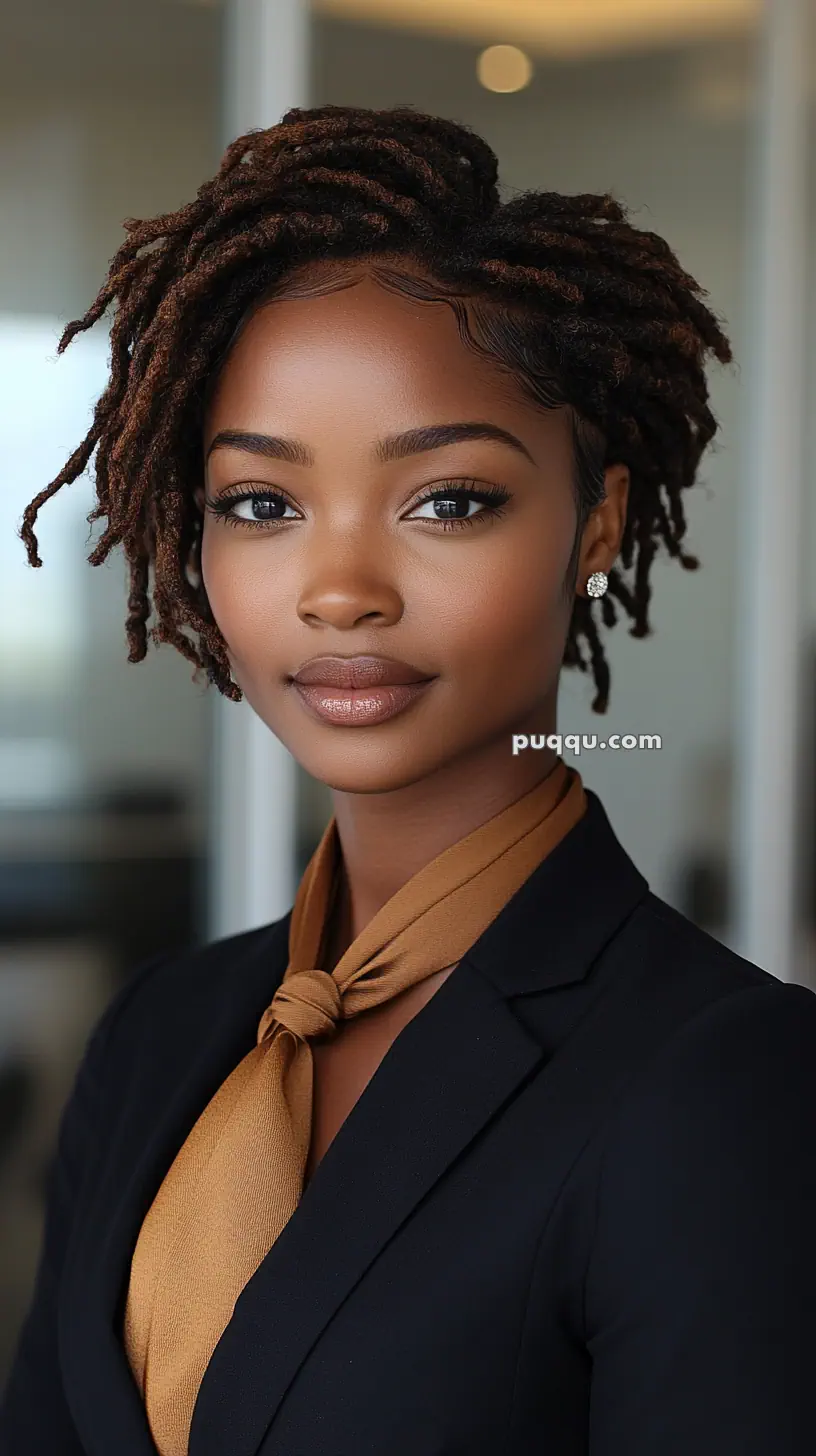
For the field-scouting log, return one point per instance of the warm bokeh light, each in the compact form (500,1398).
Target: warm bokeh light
(504,68)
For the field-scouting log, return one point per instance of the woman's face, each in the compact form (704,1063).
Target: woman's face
(347,556)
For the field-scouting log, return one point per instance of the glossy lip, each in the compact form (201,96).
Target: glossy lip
(357,692)
(359,672)
(358,707)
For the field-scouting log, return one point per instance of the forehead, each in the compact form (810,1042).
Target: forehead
(342,346)
(335,321)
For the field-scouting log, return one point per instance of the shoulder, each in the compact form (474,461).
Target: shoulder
(752,1036)
(712,1144)
(175,994)
(726,1091)
(745,1058)
(659,930)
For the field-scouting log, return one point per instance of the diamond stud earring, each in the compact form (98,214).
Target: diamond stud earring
(597,584)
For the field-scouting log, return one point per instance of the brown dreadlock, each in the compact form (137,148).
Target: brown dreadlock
(582,307)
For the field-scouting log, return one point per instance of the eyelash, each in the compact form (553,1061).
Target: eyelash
(494,497)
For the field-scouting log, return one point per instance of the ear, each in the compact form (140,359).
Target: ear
(198,497)
(604,529)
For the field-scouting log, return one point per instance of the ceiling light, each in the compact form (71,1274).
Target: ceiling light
(504,68)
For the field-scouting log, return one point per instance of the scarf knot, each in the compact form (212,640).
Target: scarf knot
(308,1003)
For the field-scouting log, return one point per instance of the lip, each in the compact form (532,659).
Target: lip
(359,707)
(358,691)
(359,672)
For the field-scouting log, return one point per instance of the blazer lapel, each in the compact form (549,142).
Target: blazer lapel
(105,1402)
(450,1070)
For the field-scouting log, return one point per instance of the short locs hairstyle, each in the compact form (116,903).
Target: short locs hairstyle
(585,310)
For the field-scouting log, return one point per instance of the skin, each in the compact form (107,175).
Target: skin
(361,565)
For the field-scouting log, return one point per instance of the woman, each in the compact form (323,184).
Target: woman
(483,1147)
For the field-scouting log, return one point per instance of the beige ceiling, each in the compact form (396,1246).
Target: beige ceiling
(557,27)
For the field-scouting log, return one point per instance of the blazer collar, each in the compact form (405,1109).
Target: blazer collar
(549,933)
(381,1164)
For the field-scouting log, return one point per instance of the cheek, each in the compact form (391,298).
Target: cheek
(508,615)
(245,596)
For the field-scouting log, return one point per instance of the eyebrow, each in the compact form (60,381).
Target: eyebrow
(393,447)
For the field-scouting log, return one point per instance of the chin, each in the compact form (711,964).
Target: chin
(363,768)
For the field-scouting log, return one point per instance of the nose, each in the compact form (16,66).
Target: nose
(341,598)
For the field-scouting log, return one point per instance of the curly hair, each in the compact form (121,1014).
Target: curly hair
(584,309)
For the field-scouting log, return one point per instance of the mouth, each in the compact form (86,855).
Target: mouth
(358,691)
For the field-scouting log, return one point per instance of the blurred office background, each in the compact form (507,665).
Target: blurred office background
(138,811)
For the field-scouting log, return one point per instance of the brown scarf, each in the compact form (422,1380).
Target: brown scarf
(238,1178)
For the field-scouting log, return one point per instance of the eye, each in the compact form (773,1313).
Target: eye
(265,507)
(449,504)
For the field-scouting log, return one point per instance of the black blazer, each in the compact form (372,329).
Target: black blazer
(572,1214)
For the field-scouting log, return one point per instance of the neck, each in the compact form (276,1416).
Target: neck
(387,838)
